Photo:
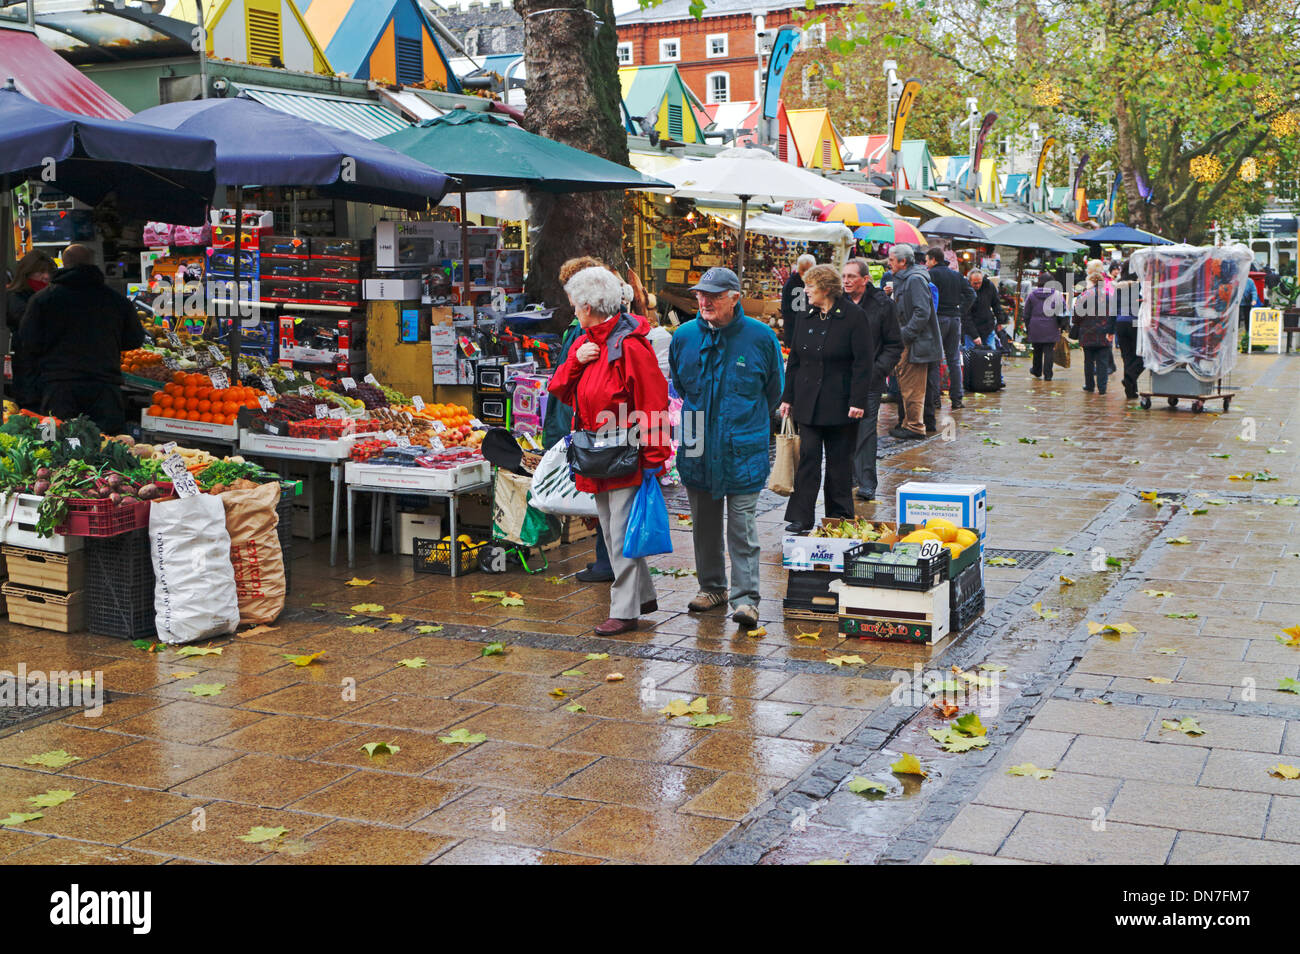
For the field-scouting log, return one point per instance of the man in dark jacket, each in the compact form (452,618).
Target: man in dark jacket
(980,326)
(955,299)
(76,331)
(922,341)
(882,322)
(794,300)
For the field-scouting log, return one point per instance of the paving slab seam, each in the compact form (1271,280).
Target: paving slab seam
(770,822)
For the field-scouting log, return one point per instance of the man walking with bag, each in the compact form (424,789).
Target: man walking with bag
(922,341)
(727,368)
(955,299)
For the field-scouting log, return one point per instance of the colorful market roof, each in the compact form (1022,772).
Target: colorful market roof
(44,76)
(660,92)
(389,41)
(816,138)
(264,32)
(987,188)
(746,114)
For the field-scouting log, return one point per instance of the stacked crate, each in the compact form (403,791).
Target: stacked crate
(45,590)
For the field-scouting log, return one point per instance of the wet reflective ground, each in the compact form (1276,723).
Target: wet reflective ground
(575,768)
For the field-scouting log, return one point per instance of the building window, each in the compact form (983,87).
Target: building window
(719,87)
(670,51)
(815,35)
(811,74)
(625,54)
(716,45)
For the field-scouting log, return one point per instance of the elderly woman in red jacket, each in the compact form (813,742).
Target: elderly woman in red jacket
(612,380)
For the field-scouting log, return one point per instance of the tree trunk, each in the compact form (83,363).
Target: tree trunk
(573,97)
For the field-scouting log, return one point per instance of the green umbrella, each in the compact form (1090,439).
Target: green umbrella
(487,152)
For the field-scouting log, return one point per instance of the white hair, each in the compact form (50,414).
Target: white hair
(597,288)
(973,272)
(902,252)
(804,262)
(628,294)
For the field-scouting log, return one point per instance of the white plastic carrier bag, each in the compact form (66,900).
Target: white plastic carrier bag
(194,588)
(553,489)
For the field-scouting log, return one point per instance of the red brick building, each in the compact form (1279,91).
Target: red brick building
(719,54)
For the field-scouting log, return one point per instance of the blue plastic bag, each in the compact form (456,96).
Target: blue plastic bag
(647,525)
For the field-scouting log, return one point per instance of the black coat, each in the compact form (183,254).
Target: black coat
(26,387)
(77,328)
(791,290)
(955,293)
(830,365)
(985,312)
(886,336)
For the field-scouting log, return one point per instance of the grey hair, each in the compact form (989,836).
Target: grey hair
(975,271)
(902,252)
(598,289)
(804,261)
(627,294)
(863,267)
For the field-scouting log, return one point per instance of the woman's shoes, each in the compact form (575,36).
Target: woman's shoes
(612,626)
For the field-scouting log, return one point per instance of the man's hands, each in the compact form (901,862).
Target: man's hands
(588,352)
(855,413)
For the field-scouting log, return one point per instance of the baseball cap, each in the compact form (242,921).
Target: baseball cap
(717,280)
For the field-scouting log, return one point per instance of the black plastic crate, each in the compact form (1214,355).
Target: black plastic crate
(965,585)
(925,575)
(809,591)
(434,556)
(962,616)
(284,530)
(120,586)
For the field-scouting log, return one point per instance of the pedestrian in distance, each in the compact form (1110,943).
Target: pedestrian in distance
(726,366)
(612,381)
(32,274)
(828,380)
(1045,321)
(956,296)
(1093,326)
(922,340)
(1126,301)
(985,315)
(887,348)
(794,300)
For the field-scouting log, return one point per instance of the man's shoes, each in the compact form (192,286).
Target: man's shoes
(863,495)
(957,405)
(931,430)
(612,626)
(746,616)
(649,607)
(905,434)
(593,575)
(706,600)
(1089,390)
(798,527)
(1039,376)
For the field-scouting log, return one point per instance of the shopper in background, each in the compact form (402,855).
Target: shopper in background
(887,348)
(794,301)
(1126,308)
(1094,327)
(922,341)
(76,330)
(33,273)
(955,299)
(981,324)
(1045,320)
(1249,300)
(559,421)
(611,375)
(727,368)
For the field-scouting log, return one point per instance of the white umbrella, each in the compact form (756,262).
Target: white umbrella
(754,174)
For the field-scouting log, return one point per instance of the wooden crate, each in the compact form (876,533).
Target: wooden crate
(62,612)
(58,572)
(906,616)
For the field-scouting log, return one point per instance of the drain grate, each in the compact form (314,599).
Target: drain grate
(1025,559)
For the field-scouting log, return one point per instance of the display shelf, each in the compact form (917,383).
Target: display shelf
(301,447)
(385,476)
(223,433)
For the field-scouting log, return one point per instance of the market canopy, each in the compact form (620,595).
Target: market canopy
(759,175)
(788,228)
(257,145)
(486,151)
(957,227)
(154,173)
(1031,235)
(1120,234)
(47,78)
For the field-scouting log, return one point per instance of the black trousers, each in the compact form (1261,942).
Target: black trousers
(839,443)
(102,403)
(1096,366)
(1126,337)
(1044,363)
(933,396)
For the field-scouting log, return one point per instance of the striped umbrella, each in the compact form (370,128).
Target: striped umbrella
(893,232)
(854,213)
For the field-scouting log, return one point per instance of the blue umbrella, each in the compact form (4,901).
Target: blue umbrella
(1121,234)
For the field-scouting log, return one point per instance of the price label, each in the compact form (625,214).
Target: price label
(170,363)
(321,410)
(264,402)
(272,429)
(268,384)
(173,339)
(390,436)
(438,426)
(306,391)
(189,353)
(243,367)
(261,359)
(216,354)
(74,442)
(219,380)
(338,413)
(168,447)
(410,418)
(371,379)
(418,402)
(349,384)
(403,440)
(436,445)
(930,549)
(475,423)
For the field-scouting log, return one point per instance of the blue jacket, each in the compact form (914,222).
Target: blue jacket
(730,382)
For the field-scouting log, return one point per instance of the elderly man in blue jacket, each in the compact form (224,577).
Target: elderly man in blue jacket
(728,370)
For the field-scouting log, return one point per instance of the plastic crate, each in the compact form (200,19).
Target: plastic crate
(284,529)
(120,586)
(434,556)
(967,612)
(809,592)
(100,518)
(925,575)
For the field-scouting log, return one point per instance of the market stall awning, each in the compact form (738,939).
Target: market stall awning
(1033,235)
(411,104)
(44,76)
(786,227)
(360,116)
(975,214)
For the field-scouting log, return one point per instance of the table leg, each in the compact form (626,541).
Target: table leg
(336,476)
(392,518)
(455,543)
(352,551)
(376,526)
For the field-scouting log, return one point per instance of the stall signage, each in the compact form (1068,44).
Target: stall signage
(173,339)
(306,391)
(371,379)
(219,379)
(475,423)
(321,410)
(1266,328)
(418,402)
(264,402)
(216,353)
(182,480)
(349,384)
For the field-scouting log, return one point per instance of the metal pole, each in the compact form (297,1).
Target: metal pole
(6,231)
(236,321)
(744,212)
(464,254)
(203,51)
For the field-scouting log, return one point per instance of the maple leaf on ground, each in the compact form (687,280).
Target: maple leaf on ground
(1292,636)
(1180,615)
(1045,613)
(944,707)
(185,675)
(859,785)
(909,765)
(462,737)
(51,799)
(1166,651)
(53,759)
(205,689)
(367,608)
(705,720)
(573,672)
(493,649)
(512,601)
(356,581)
(1288,685)
(576,707)
(303,660)
(757,633)
(1065,580)
(1187,726)
(261,833)
(1281,770)
(1177,540)
(680,707)
(953,741)
(802,635)
(558,692)
(1003,561)
(970,724)
(1157,594)
(992,667)
(1030,770)
(555,580)
(1159,679)
(839,661)
(199,651)
(426,630)
(415,662)
(597,656)
(362,630)
(1121,629)
(380,748)
(259,630)
(396,618)
(19,818)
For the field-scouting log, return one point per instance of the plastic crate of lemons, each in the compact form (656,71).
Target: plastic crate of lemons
(954,538)
(440,552)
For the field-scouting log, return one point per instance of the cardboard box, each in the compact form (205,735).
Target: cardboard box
(221,263)
(284,246)
(464,371)
(327,269)
(444,354)
(963,504)
(445,374)
(283,266)
(327,292)
(412,525)
(341,248)
(391,289)
(284,289)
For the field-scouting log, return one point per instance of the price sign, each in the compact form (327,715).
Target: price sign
(168,447)
(338,413)
(173,339)
(243,367)
(930,549)
(261,359)
(349,384)
(438,426)
(410,418)
(189,353)
(321,410)
(268,384)
(219,379)
(390,436)
(216,353)
(475,423)
(403,440)
(418,402)
(264,402)
(306,391)
(182,480)
(272,429)
(436,445)
(371,379)
(170,363)
(74,442)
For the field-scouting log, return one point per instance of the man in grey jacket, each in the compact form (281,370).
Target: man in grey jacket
(922,341)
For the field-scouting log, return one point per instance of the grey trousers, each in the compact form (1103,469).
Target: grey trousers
(864,458)
(632,584)
(742,544)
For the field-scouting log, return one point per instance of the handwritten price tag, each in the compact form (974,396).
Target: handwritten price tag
(418,402)
(216,354)
(371,379)
(306,391)
(264,402)
(349,384)
(219,380)
(438,426)
(403,440)
(321,410)
(173,339)
(338,413)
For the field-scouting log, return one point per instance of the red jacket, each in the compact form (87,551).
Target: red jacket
(624,378)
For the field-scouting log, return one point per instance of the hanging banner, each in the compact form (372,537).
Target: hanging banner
(783,47)
(1080,202)
(974,171)
(1042,161)
(905,101)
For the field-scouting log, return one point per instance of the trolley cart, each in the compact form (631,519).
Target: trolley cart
(1180,384)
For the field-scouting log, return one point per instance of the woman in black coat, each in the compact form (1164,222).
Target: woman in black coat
(827,385)
(33,273)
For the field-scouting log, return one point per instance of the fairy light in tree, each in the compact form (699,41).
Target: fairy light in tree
(1249,170)
(1205,168)
(1285,124)
(1047,93)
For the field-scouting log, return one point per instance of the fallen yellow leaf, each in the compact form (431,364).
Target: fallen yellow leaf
(909,765)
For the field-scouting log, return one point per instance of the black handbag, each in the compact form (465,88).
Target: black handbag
(603,454)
